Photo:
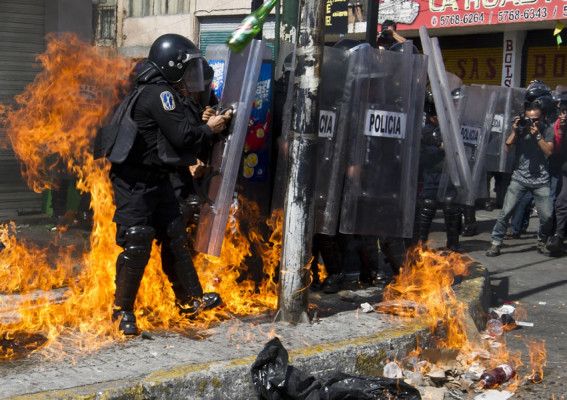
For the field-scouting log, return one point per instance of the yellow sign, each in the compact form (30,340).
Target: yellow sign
(480,66)
(548,64)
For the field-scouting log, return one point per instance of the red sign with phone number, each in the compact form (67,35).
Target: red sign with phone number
(411,14)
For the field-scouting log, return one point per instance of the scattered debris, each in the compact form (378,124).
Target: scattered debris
(402,308)
(147,335)
(366,307)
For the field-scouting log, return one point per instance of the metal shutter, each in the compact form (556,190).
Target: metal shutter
(22,26)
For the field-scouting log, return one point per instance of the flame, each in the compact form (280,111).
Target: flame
(56,118)
(426,282)
(538,358)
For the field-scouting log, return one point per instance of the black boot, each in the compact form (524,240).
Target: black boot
(395,250)
(427,211)
(452,215)
(178,266)
(470,228)
(130,267)
(331,255)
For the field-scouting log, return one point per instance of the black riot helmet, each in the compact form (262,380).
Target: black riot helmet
(347,43)
(399,47)
(536,89)
(177,59)
(545,104)
(429,107)
(561,98)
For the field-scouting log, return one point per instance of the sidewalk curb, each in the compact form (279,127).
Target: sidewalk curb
(231,379)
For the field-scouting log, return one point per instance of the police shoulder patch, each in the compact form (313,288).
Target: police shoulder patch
(167,100)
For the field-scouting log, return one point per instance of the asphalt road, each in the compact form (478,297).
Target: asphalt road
(534,282)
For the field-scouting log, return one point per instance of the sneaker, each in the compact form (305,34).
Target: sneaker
(494,251)
(555,245)
(127,323)
(542,248)
(333,283)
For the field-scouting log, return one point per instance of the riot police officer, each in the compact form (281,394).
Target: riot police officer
(431,161)
(170,133)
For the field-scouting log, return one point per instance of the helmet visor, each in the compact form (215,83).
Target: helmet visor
(193,77)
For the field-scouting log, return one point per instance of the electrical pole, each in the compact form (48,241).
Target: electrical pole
(372,22)
(299,204)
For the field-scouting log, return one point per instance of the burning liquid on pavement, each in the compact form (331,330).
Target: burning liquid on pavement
(425,289)
(56,118)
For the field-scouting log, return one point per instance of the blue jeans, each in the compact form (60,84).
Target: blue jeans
(521,215)
(515,193)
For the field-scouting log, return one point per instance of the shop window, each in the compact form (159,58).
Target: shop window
(147,8)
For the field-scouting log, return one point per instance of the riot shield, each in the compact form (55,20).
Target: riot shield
(282,114)
(241,72)
(335,96)
(509,104)
(385,129)
(455,155)
(475,115)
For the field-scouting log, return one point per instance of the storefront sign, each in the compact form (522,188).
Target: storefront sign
(458,13)
(336,16)
(548,64)
(479,65)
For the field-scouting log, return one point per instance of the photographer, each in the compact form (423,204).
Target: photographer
(388,36)
(533,139)
(555,245)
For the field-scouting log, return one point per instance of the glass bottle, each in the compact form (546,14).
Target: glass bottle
(249,27)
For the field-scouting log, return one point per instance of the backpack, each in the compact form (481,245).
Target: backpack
(114,141)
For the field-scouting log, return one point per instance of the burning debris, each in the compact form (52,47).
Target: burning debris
(465,360)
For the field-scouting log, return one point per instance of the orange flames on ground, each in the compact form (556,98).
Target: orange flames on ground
(426,281)
(424,289)
(56,118)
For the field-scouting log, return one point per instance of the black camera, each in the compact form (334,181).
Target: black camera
(524,124)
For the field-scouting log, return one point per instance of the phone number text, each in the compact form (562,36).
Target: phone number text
(465,19)
(522,15)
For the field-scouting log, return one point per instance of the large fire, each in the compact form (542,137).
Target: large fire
(57,117)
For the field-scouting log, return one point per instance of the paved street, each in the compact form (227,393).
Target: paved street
(519,275)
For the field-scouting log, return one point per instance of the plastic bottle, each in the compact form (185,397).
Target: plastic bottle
(249,27)
(494,327)
(497,376)
(393,371)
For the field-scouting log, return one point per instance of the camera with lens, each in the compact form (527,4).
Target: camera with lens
(524,124)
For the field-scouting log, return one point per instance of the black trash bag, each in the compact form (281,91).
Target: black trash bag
(274,379)
(341,386)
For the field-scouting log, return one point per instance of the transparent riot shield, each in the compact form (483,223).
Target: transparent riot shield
(282,114)
(455,156)
(509,104)
(385,130)
(239,87)
(335,96)
(475,115)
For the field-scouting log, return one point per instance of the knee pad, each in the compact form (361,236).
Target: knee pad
(138,245)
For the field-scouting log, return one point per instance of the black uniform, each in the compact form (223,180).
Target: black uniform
(432,159)
(170,134)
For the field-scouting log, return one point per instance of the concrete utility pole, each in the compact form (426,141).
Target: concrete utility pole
(372,22)
(298,206)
